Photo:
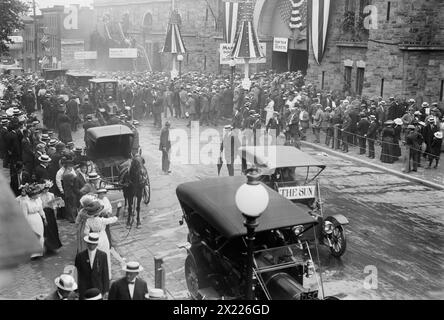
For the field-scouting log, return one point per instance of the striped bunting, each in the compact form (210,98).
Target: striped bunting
(320,13)
(246,44)
(173,41)
(295,18)
(231,14)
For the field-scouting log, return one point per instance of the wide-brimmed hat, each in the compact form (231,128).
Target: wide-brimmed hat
(92,238)
(45,137)
(94,208)
(44,158)
(431,119)
(398,122)
(133,266)
(93,294)
(438,135)
(66,282)
(411,127)
(389,122)
(155,293)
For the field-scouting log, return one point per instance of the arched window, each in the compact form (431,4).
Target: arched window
(147,22)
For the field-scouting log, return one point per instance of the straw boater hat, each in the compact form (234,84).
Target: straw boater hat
(133,266)
(93,294)
(438,135)
(66,282)
(398,122)
(93,176)
(389,122)
(155,293)
(102,191)
(92,238)
(44,158)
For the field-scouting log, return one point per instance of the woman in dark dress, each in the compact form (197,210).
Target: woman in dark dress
(388,137)
(64,128)
(51,231)
(396,148)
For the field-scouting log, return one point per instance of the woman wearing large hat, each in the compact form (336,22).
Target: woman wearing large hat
(49,203)
(435,149)
(388,137)
(97,224)
(33,210)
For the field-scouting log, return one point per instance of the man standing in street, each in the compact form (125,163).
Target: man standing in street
(130,287)
(92,266)
(157,109)
(363,126)
(230,145)
(371,136)
(165,147)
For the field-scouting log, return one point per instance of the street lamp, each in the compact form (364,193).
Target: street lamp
(232,64)
(252,200)
(180,59)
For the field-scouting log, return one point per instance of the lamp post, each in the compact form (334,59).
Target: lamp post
(251,200)
(180,59)
(232,64)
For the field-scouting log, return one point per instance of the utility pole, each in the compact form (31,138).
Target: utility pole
(36,54)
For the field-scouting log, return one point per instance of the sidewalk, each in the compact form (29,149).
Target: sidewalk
(431,177)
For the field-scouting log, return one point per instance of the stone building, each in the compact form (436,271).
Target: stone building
(396,49)
(373,48)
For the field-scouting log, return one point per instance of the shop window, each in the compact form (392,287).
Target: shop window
(359,81)
(388,11)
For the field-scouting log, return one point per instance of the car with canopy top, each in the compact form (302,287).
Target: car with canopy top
(295,175)
(53,74)
(216,261)
(103,94)
(78,79)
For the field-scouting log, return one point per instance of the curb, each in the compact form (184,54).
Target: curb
(391,171)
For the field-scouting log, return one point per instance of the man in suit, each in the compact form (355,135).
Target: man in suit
(41,171)
(66,287)
(71,192)
(229,146)
(165,147)
(371,136)
(92,266)
(129,287)
(363,126)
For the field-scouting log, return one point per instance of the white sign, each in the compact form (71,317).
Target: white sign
(71,20)
(297,193)
(280,44)
(85,55)
(123,53)
(225,50)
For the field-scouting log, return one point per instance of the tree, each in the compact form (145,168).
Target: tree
(10,20)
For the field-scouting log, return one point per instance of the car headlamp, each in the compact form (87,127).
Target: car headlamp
(328,227)
(297,230)
(309,269)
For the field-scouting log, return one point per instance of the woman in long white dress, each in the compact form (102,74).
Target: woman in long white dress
(97,224)
(33,209)
(107,211)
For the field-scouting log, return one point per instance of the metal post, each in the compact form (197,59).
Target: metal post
(233,69)
(36,56)
(180,69)
(159,273)
(251,225)
(335,136)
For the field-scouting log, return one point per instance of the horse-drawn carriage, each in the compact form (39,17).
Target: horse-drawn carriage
(109,148)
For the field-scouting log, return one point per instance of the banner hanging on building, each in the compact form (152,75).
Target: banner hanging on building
(226,49)
(231,13)
(280,44)
(320,14)
(85,55)
(120,53)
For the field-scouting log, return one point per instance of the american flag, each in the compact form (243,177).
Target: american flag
(174,42)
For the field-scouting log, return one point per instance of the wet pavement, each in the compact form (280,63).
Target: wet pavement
(395,226)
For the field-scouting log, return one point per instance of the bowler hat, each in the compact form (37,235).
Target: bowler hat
(93,294)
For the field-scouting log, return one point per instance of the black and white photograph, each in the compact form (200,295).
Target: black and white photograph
(241,150)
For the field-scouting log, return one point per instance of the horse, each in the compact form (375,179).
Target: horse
(133,181)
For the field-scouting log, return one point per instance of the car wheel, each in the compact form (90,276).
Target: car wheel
(338,241)
(191,277)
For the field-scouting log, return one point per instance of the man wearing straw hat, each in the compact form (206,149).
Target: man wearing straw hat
(66,287)
(130,287)
(92,264)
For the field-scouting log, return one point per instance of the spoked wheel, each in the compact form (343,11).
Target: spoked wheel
(338,241)
(147,192)
(191,277)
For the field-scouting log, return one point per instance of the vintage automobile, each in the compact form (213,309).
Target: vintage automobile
(103,94)
(52,74)
(77,79)
(294,174)
(14,71)
(216,262)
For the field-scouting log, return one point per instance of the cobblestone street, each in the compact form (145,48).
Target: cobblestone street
(385,212)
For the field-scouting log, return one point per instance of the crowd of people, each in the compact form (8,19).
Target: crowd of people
(54,179)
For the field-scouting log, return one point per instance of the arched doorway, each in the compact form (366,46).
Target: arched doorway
(271,18)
